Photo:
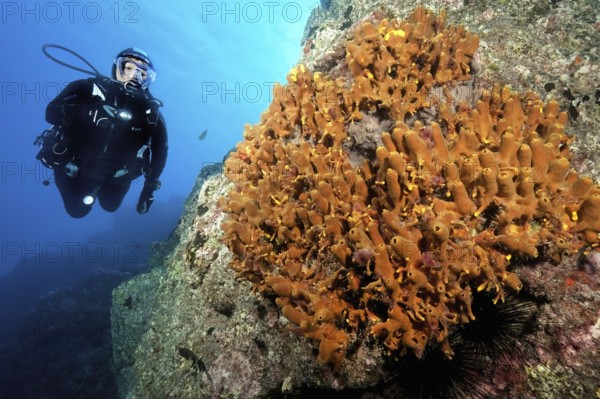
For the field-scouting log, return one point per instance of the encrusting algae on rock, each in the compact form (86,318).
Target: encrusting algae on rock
(395,247)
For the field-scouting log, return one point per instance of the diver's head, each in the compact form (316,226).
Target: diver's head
(134,66)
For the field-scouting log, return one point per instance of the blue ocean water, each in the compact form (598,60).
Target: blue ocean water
(216,62)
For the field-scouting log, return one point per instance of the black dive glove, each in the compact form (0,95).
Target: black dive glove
(147,195)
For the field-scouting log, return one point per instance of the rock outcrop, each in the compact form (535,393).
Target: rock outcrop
(349,253)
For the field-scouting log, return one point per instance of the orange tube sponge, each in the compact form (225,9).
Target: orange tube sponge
(487,189)
(406,249)
(341,250)
(418,279)
(336,223)
(332,347)
(440,231)
(245,234)
(470,170)
(398,322)
(464,205)
(513,281)
(557,171)
(417,148)
(358,236)
(383,266)
(440,147)
(398,164)
(466,143)
(513,113)
(508,150)
(361,189)
(524,155)
(483,119)
(589,214)
(394,190)
(506,186)
(518,244)
(581,186)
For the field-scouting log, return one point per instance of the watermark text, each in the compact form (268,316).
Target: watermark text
(68,12)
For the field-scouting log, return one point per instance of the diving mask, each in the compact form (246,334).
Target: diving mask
(139,72)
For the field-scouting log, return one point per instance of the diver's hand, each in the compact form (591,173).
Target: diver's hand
(147,195)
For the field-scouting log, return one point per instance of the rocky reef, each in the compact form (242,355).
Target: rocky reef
(393,196)
(63,344)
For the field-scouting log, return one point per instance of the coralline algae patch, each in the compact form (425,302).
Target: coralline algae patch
(395,247)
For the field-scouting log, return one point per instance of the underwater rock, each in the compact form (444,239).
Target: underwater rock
(253,346)
(62,347)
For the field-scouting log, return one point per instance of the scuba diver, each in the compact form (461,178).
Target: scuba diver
(106,133)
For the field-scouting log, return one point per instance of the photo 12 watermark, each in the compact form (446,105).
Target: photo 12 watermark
(72,252)
(253,12)
(236,92)
(25,172)
(255,92)
(29,92)
(53,12)
(34,172)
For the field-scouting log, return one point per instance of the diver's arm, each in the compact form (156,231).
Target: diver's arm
(159,149)
(65,108)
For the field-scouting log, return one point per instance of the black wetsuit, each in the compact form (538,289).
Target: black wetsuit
(109,151)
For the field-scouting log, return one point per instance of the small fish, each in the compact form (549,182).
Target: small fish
(203,135)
